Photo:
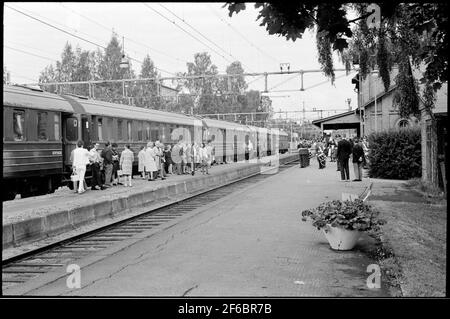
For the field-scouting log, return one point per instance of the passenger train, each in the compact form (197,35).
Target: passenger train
(40,130)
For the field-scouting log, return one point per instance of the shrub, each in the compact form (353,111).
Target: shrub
(395,154)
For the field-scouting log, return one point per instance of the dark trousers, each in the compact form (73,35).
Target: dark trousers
(345,172)
(96,177)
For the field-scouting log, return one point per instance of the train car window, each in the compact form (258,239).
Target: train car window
(140,131)
(99,129)
(147,131)
(129,137)
(165,133)
(72,129)
(42,125)
(19,121)
(56,126)
(119,130)
(110,128)
(154,135)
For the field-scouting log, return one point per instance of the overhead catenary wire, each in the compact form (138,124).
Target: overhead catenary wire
(28,46)
(187,32)
(242,36)
(29,53)
(281,83)
(310,87)
(202,35)
(126,37)
(76,36)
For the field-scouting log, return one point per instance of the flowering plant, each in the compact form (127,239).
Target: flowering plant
(350,215)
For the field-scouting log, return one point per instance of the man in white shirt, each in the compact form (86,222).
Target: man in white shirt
(81,157)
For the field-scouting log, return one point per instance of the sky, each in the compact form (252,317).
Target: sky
(155,29)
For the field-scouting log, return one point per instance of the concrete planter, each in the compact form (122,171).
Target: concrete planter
(340,238)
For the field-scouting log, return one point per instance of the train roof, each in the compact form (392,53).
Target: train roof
(96,107)
(34,98)
(18,96)
(223,124)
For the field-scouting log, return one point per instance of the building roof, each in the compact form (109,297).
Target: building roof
(333,117)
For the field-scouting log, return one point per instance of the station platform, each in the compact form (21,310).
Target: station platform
(249,243)
(31,219)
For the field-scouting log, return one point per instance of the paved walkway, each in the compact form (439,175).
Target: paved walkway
(250,244)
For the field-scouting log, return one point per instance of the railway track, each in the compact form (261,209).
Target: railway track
(19,269)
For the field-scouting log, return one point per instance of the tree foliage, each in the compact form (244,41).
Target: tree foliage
(418,31)
(198,95)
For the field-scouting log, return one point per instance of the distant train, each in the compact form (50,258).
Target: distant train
(40,130)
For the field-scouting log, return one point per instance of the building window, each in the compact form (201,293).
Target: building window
(42,125)
(56,126)
(19,120)
(99,129)
(119,130)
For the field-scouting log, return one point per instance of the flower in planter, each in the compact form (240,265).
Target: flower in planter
(350,215)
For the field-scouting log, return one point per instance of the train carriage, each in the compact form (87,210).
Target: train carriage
(230,135)
(41,129)
(283,141)
(263,138)
(32,144)
(123,125)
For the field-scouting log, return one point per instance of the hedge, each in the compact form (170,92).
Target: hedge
(395,154)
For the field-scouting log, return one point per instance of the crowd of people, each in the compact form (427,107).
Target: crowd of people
(340,150)
(155,160)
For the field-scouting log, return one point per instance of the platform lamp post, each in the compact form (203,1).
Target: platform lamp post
(376,88)
(124,64)
(361,118)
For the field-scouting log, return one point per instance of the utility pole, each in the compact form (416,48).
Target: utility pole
(303,112)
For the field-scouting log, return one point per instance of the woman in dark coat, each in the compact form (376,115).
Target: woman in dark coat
(358,159)
(116,164)
(168,160)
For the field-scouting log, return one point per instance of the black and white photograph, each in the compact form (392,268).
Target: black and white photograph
(224,150)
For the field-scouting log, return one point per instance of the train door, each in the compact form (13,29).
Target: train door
(247,148)
(257,144)
(70,126)
(235,148)
(85,131)
(224,146)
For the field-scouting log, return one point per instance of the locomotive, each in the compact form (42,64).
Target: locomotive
(40,129)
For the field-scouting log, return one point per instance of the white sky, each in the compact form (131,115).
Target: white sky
(170,47)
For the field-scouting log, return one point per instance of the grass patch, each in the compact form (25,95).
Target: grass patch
(426,188)
(414,244)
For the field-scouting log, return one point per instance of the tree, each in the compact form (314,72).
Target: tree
(109,69)
(334,30)
(409,35)
(48,75)
(81,71)
(205,88)
(146,93)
